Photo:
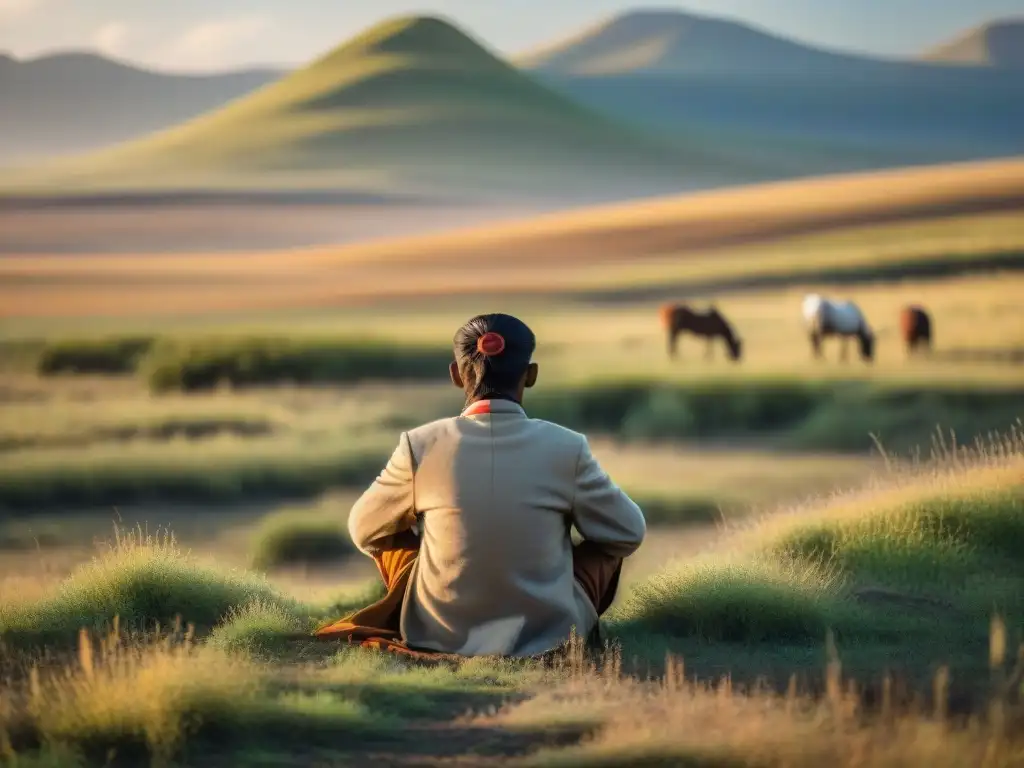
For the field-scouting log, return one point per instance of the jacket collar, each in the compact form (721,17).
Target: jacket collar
(481,407)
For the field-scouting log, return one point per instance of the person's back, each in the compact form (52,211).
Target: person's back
(493,494)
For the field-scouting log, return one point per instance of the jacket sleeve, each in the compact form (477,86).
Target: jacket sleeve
(387,507)
(601,512)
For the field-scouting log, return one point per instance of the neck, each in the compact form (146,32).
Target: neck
(470,399)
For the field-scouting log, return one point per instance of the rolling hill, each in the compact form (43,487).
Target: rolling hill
(998,44)
(105,101)
(673,42)
(682,243)
(414,105)
(759,100)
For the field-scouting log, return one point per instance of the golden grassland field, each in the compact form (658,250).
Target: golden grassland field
(841,609)
(782,543)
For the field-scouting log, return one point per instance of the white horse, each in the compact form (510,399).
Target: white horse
(824,317)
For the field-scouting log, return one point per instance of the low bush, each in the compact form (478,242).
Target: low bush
(112,355)
(795,415)
(202,364)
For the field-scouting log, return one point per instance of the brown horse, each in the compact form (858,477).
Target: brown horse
(916,328)
(679,318)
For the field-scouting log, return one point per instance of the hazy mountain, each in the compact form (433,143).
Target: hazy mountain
(730,90)
(675,42)
(997,44)
(71,102)
(410,105)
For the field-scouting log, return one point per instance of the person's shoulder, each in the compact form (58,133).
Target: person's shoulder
(556,432)
(430,431)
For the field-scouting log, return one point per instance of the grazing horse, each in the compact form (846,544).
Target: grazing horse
(825,318)
(679,318)
(916,327)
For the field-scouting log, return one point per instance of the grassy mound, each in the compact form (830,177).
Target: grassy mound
(906,575)
(140,582)
(202,364)
(918,566)
(299,536)
(794,414)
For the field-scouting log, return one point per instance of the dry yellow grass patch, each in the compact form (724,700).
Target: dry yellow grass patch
(679,723)
(435,264)
(118,691)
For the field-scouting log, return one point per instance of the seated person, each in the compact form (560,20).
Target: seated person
(469,523)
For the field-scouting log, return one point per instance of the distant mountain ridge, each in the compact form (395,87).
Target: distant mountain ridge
(104,100)
(728,88)
(997,44)
(650,41)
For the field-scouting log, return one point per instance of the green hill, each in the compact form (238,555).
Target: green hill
(412,105)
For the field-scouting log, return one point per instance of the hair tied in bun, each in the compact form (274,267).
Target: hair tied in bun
(490,344)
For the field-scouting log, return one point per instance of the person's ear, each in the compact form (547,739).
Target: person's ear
(455,375)
(531,375)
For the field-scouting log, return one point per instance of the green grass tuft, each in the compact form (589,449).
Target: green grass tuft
(141,581)
(732,603)
(299,536)
(939,544)
(259,628)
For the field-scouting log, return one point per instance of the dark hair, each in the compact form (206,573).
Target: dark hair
(490,367)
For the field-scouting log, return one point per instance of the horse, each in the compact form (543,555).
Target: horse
(916,328)
(679,318)
(825,318)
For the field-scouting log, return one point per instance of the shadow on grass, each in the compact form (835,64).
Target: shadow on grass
(1000,356)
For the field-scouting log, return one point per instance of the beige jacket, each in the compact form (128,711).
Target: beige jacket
(494,495)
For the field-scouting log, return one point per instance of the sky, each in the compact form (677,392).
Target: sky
(220,34)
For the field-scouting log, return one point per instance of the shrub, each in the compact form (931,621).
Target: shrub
(800,415)
(202,364)
(115,355)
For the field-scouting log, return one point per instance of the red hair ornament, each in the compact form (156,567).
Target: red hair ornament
(490,344)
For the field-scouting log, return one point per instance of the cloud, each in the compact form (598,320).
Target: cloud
(110,37)
(218,42)
(13,9)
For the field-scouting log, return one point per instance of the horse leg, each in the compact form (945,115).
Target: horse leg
(816,346)
(672,344)
(845,350)
(708,348)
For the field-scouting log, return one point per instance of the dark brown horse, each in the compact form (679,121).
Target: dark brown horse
(679,318)
(916,328)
